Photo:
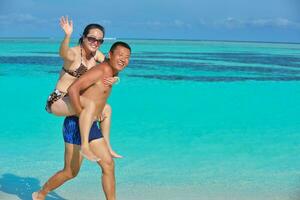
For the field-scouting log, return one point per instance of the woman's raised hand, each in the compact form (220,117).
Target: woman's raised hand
(66,25)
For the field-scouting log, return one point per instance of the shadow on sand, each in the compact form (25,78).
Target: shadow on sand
(23,187)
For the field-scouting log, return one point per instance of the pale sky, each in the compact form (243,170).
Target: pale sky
(248,20)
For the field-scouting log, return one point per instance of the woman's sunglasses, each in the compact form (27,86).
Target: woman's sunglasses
(93,40)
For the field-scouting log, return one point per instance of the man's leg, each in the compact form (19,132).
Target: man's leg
(106,163)
(73,161)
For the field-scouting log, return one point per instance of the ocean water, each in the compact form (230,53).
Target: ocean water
(194,120)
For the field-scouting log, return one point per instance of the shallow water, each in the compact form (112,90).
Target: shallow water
(193,119)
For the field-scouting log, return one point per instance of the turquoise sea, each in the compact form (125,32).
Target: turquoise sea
(194,120)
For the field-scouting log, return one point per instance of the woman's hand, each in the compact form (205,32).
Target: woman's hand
(109,81)
(66,25)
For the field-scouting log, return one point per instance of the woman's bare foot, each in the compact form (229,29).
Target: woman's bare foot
(115,155)
(37,196)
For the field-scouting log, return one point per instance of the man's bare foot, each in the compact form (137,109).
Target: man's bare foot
(88,154)
(37,196)
(115,155)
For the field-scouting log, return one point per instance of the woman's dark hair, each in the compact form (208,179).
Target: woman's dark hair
(87,30)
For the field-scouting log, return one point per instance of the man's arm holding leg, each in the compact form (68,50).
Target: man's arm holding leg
(85,81)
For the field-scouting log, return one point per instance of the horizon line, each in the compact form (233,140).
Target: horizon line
(175,39)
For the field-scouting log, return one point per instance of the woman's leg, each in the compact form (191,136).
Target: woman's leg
(105,128)
(86,119)
(63,107)
(106,163)
(73,161)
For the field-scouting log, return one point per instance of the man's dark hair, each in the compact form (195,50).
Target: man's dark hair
(119,43)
